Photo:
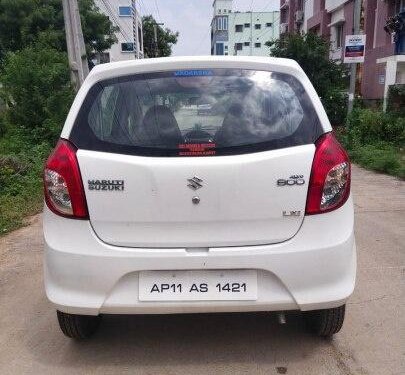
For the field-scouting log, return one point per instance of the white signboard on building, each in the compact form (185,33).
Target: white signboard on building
(355,48)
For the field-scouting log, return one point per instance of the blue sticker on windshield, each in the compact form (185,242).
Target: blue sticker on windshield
(193,73)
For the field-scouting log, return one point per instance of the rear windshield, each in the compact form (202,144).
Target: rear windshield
(196,113)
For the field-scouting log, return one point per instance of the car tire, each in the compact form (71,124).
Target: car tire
(325,323)
(78,326)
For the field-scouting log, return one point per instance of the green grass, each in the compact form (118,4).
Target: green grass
(20,180)
(375,140)
(380,158)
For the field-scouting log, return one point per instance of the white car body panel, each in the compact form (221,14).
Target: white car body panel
(302,262)
(240,202)
(316,269)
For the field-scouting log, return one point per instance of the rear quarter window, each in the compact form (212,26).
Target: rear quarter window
(196,113)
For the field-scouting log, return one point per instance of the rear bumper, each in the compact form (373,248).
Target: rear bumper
(316,269)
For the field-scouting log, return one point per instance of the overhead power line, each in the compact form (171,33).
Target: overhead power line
(112,15)
(158,12)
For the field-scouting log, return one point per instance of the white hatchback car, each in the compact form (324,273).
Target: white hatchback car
(153,208)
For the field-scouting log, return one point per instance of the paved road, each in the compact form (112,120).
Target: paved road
(371,342)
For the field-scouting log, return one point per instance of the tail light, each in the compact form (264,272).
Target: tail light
(63,187)
(329,185)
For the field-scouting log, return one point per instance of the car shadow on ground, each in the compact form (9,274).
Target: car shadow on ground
(195,339)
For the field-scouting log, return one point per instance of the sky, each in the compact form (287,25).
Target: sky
(192,19)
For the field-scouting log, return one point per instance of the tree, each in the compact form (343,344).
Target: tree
(328,77)
(37,90)
(98,31)
(166,38)
(312,53)
(24,22)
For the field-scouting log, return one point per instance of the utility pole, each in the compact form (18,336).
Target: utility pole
(75,43)
(135,26)
(156,48)
(353,66)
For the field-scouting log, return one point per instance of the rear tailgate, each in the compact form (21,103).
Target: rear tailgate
(159,173)
(240,200)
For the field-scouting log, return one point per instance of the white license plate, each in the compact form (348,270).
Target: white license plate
(228,285)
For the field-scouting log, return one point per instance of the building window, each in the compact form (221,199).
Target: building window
(226,48)
(258,45)
(269,24)
(127,47)
(238,28)
(219,49)
(219,11)
(238,46)
(140,39)
(399,6)
(339,35)
(258,26)
(247,25)
(125,11)
(300,5)
(219,24)
(222,23)
(247,44)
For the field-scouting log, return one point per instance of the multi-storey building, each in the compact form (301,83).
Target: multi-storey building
(125,15)
(242,33)
(292,16)
(384,63)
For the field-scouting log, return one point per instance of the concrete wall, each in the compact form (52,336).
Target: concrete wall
(251,35)
(308,13)
(331,5)
(126,25)
(222,7)
(378,45)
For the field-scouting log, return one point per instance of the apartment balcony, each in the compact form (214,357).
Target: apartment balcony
(395,26)
(395,64)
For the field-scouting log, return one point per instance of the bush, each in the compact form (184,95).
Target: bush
(396,99)
(328,77)
(2,125)
(335,103)
(375,140)
(20,180)
(36,87)
(366,126)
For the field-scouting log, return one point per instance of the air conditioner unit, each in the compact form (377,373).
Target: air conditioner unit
(283,28)
(299,16)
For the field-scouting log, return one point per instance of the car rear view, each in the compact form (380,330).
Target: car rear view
(186,185)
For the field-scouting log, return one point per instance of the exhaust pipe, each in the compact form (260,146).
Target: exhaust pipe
(281,318)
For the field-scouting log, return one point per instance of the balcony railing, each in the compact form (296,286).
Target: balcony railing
(395,26)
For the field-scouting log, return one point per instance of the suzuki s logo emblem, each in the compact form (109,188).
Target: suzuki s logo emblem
(195,183)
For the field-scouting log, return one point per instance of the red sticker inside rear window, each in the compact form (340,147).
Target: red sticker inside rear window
(196,149)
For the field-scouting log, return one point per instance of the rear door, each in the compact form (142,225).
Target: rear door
(159,172)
